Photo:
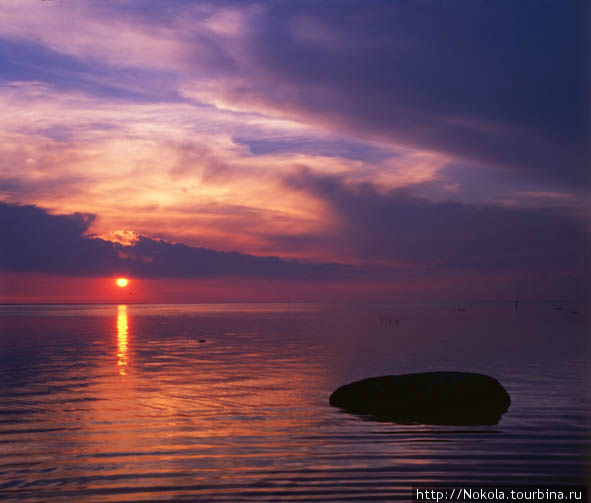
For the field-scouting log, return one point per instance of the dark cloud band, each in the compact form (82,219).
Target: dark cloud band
(36,241)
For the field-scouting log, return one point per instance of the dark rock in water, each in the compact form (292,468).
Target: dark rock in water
(446,398)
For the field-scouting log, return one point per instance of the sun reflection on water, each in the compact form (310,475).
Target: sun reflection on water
(122,332)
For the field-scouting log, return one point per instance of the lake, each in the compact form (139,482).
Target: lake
(229,402)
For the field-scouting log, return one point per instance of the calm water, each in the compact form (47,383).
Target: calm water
(230,402)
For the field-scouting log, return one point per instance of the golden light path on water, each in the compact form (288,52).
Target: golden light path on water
(122,332)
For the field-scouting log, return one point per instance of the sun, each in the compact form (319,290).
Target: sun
(122,282)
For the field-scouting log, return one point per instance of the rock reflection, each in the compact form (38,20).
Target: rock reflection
(122,333)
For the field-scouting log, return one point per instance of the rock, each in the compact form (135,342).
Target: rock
(445,398)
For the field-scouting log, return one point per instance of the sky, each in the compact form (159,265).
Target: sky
(310,151)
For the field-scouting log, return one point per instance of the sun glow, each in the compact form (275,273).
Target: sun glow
(122,282)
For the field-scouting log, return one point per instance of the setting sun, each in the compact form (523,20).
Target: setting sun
(122,282)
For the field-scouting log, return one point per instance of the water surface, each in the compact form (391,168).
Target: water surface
(230,402)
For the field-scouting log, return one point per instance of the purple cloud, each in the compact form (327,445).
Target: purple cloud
(36,241)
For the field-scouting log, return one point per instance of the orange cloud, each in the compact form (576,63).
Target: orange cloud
(148,168)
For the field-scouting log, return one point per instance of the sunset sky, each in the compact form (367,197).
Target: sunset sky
(273,150)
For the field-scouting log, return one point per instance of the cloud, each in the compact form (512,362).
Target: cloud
(81,30)
(70,151)
(36,241)
(493,83)
(427,135)
(498,83)
(179,170)
(399,228)
(475,81)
